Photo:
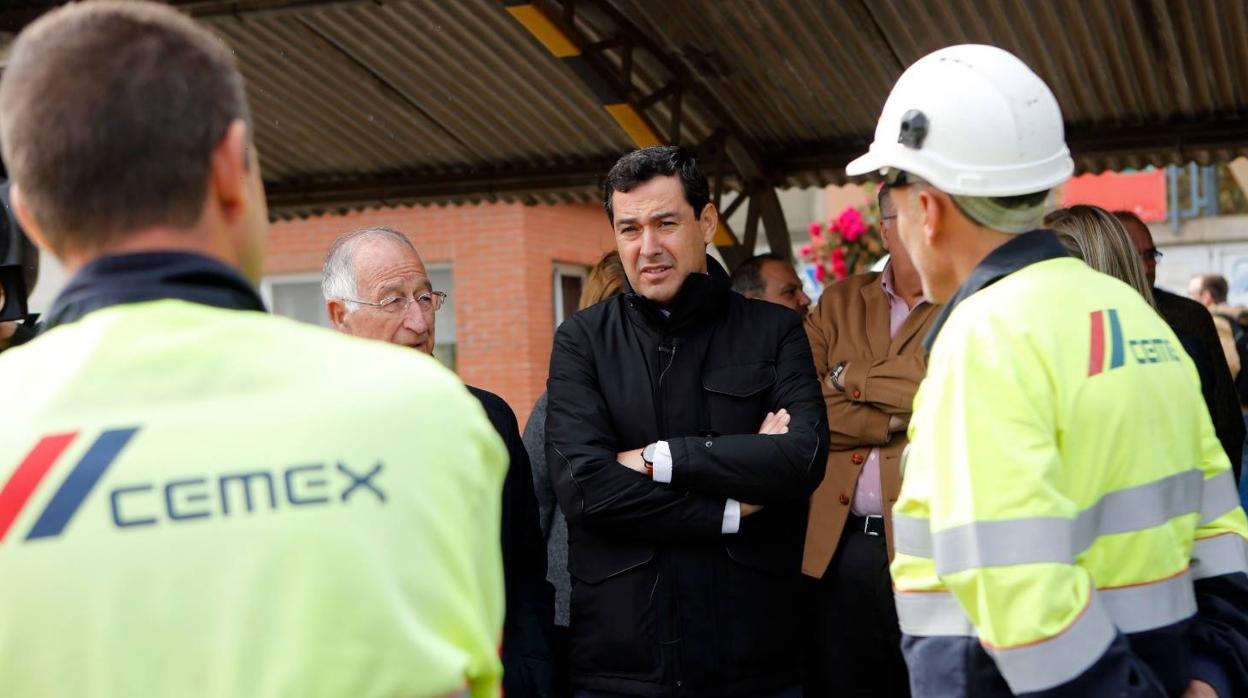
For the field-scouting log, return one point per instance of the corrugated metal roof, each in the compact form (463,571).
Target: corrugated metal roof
(424,101)
(410,90)
(810,75)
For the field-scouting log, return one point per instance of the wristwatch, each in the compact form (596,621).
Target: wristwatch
(647,456)
(835,377)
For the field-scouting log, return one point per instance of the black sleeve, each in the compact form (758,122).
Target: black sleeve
(581,447)
(1219,633)
(762,469)
(530,598)
(1219,391)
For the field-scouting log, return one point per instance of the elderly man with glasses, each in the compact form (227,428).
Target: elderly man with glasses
(376,287)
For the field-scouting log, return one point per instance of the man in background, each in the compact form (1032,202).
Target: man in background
(866,336)
(771,278)
(1210,290)
(1194,327)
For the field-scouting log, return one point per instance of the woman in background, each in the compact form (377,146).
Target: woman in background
(606,280)
(1094,235)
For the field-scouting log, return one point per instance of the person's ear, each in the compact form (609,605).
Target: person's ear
(709,220)
(230,168)
(935,211)
(26,219)
(337,311)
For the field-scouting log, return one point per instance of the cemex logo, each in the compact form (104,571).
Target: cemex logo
(1103,358)
(179,500)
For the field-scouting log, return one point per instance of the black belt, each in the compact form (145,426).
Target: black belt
(870,525)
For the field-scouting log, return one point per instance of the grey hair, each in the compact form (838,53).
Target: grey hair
(338,276)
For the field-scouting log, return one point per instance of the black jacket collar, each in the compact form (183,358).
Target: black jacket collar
(700,299)
(1022,251)
(150,276)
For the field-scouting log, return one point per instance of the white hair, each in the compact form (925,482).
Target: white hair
(338,276)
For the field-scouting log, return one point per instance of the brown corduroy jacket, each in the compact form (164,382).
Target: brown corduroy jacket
(851,324)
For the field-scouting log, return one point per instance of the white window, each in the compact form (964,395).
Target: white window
(569,281)
(298,296)
(441,278)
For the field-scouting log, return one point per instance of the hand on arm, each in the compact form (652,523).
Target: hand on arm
(1199,689)
(765,468)
(582,452)
(775,423)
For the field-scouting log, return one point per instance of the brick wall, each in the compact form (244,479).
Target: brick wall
(502,258)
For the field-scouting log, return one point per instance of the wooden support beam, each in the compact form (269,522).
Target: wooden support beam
(778,239)
(732,207)
(658,95)
(673,133)
(752,216)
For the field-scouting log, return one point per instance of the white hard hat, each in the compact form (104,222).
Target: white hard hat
(972,121)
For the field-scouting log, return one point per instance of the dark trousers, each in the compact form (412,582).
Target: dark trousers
(856,642)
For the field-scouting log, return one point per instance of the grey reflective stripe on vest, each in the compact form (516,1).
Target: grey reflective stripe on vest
(1054,539)
(1218,498)
(1219,555)
(931,613)
(1053,662)
(911,536)
(1142,607)
(997,543)
(1132,609)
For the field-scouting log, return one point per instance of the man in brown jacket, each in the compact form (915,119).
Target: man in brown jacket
(867,340)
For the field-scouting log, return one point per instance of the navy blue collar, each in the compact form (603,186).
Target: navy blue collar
(151,276)
(1021,251)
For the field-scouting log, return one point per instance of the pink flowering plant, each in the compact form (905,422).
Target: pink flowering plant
(849,244)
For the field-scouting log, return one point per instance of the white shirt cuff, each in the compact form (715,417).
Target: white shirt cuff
(662,462)
(732,517)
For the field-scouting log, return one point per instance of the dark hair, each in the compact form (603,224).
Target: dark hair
(1129,218)
(1216,285)
(747,278)
(643,165)
(109,113)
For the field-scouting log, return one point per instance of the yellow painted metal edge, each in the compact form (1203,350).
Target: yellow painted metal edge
(632,123)
(544,31)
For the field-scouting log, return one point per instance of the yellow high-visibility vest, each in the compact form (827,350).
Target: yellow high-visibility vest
(1063,485)
(206,502)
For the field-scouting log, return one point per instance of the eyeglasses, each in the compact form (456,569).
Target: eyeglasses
(429,301)
(1152,254)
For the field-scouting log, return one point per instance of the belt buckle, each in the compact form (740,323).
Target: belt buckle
(866,524)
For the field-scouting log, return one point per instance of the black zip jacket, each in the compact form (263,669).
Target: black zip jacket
(663,602)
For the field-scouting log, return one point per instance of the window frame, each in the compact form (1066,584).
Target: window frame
(560,270)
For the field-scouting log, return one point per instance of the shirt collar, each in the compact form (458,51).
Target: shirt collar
(886,281)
